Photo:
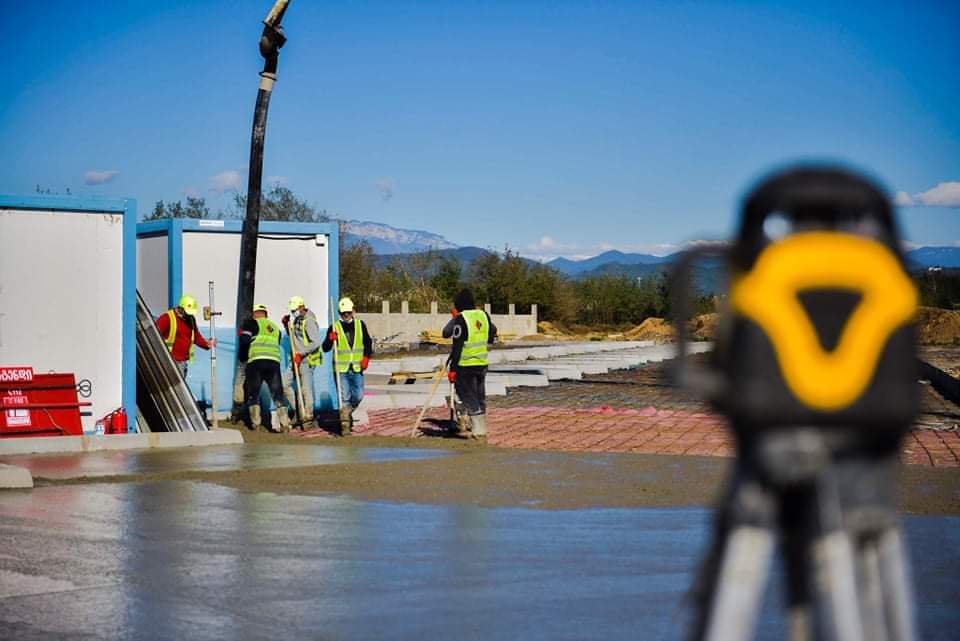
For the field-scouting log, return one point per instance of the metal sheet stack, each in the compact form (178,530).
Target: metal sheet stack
(164,402)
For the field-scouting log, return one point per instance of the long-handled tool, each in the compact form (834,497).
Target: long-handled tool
(336,356)
(301,404)
(210,313)
(433,391)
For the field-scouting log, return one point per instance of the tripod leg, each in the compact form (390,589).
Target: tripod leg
(738,584)
(871,591)
(894,578)
(838,612)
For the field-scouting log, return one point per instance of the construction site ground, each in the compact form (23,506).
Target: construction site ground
(584,516)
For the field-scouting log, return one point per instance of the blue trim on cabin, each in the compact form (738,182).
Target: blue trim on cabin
(128,374)
(333,269)
(86,204)
(174,262)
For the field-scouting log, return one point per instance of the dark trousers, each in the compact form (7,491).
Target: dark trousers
(256,374)
(471,386)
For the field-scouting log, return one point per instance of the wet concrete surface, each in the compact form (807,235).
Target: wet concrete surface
(125,463)
(188,560)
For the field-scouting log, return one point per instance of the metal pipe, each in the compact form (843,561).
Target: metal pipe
(271,40)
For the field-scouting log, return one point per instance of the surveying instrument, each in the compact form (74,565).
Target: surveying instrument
(815,368)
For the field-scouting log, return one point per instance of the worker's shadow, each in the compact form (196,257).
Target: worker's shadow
(441,427)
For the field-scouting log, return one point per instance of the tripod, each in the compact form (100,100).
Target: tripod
(833,509)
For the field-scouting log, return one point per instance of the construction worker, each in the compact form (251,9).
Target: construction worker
(472,332)
(305,342)
(178,327)
(354,348)
(260,350)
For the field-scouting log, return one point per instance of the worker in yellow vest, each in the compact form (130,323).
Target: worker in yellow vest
(260,350)
(305,344)
(472,332)
(178,327)
(354,348)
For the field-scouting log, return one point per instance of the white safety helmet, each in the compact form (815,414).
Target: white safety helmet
(346,305)
(295,303)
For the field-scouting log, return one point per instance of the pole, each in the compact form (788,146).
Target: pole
(271,40)
(296,372)
(213,357)
(336,357)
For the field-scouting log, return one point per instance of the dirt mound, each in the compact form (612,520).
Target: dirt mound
(937,326)
(701,328)
(652,329)
(551,331)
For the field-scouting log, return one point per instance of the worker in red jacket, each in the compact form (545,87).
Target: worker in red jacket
(178,328)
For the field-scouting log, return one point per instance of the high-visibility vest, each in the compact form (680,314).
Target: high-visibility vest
(172,332)
(315,357)
(266,344)
(474,351)
(348,355)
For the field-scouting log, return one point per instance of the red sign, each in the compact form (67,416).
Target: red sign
(16,374)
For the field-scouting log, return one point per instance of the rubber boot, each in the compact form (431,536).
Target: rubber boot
(346,420)
(283,418)
(255,422)
(478,427)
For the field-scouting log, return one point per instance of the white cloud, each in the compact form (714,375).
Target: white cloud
(386,187)
(94,177)
(903,199)
(225,181)
(945,194)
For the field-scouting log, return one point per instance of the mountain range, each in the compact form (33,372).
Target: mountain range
(393,240)
(392,243)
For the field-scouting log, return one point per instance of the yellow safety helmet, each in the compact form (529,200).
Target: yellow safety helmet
(189,304)
(296,302)
(260,308)
(346,305)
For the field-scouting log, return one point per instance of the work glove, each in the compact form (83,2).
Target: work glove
(331,336)
(285,321)
(364,363)
(452,376)
(212,342)
(297,358)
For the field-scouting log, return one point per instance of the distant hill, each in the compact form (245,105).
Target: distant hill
(464,255)
(935,256)
(708,275)
(572,267)
(386,239)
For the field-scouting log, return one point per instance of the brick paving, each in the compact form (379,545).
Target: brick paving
(638,411)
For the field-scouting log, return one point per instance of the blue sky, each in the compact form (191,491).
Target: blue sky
(557,128)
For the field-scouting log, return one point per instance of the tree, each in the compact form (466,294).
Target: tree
(279,203)
(195,208)
(357,274)
(446,278)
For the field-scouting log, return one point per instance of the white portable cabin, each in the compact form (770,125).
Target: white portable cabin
(182,255)
(68,294)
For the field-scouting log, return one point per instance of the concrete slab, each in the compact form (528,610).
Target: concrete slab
(552,372)
(221,458)
(15,477)
(516,379)
(63,444)
(398,401)
(178,560)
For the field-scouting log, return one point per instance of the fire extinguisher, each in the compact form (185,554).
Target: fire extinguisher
(118,422)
